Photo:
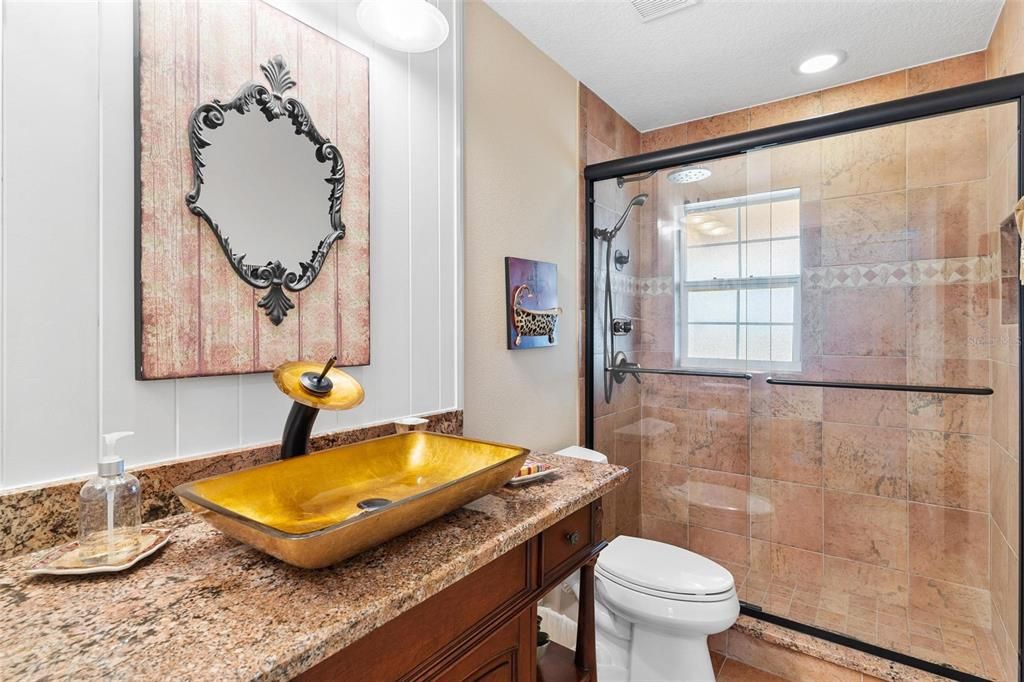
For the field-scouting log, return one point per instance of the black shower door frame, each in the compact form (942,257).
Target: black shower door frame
(977,95)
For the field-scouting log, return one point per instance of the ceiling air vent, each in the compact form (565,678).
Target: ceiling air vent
(650,10)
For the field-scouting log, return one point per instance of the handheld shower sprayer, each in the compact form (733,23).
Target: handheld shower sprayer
(609,235)
(610,355)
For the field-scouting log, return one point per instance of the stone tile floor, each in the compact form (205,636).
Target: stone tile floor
(731,670)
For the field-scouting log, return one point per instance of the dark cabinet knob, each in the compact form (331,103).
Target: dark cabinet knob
(572,538)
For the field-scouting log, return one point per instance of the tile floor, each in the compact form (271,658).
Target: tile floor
(731,670)
(924,635)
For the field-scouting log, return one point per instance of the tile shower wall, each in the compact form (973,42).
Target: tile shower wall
(1005,55)
(604,135)
(911,496)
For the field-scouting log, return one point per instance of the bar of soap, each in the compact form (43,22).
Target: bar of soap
(531,468)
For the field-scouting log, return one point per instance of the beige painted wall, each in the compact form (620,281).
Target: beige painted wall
(520,146)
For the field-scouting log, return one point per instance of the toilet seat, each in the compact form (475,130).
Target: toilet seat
(664,571)
(645,612)
(672,596)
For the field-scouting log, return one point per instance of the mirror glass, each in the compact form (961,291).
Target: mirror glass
(265,189)
(269,185)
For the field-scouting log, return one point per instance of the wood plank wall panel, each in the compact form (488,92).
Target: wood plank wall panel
(170,244)
(198,317)
(449,234)
(423,158)
(226,303)
(353,291)
(390,259)
(50,239)
(318,321)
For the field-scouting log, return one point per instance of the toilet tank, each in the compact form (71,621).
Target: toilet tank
(578,452)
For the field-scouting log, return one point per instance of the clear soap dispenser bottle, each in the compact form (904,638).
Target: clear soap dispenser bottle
(110,518)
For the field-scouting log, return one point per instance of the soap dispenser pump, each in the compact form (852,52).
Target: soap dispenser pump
(110,518)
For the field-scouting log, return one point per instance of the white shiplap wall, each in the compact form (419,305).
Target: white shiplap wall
(66,301)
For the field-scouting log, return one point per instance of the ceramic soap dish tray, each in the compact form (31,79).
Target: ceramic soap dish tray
(532,471)
(64,560)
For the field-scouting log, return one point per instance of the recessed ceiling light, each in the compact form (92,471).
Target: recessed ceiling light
(821,62)
(404,25)
(719,231)
(687,175)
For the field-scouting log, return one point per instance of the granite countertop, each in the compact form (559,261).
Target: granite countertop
(208,608)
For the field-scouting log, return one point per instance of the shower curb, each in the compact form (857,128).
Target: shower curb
(804,644)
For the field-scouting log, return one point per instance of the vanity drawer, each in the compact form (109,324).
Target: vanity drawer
(445,623)
(566,541)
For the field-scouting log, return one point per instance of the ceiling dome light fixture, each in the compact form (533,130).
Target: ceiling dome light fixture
(687,175)
(403,25)
(821,62)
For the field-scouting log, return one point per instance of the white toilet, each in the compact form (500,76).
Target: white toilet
(656,605)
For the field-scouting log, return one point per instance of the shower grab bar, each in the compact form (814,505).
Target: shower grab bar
(907,388)
(683,372)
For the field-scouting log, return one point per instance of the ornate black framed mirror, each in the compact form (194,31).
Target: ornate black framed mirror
(259,168)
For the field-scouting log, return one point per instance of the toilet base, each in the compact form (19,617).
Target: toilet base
(659,656)
(655,656)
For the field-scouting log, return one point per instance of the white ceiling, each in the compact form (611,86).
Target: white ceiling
(722,55)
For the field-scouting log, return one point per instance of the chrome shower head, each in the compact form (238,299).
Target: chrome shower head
(608,235)
(690,174)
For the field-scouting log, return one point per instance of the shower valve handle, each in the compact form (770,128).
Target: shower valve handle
(635,375)
(621,367)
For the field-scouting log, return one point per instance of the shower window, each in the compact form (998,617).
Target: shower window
(738,295)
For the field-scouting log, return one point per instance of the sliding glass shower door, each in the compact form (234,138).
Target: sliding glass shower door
(837,417)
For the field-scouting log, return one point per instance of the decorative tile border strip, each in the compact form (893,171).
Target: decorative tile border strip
(43,516)
(621,284)
(657,286)
(973,269)
(639,286)
(902,273)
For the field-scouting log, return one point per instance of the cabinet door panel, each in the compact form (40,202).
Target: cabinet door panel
(506,656)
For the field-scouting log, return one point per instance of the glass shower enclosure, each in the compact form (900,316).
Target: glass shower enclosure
(810,359)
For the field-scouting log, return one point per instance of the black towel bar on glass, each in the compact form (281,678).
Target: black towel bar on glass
(908,388)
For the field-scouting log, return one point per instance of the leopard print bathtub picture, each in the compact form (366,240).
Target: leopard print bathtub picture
(531,299)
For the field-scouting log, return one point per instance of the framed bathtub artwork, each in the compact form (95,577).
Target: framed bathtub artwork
(531,302)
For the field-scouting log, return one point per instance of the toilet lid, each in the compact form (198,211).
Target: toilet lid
(664,568)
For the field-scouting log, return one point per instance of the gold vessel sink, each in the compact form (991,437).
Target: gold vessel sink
(318,509)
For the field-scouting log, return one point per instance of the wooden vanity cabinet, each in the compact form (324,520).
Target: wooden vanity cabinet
(484,627)
(501,657)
